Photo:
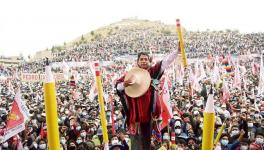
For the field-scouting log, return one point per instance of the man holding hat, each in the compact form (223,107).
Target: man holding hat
(139,96)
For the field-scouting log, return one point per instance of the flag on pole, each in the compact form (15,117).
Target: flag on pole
(237,78)
(261,77)
(215,74)
(164,96)
(65,69)
(203,75)
(16,118)
(254,68)
(226,93)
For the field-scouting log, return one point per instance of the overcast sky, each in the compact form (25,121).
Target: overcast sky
(27,26)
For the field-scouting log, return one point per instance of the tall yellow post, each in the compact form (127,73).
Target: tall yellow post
(178,27)
(208,124)
(101,103)
(51,110)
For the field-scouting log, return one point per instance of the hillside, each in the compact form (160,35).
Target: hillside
(131,36)
(126,25)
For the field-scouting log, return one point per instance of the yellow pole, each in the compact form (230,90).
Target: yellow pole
(178,27)
(51,110)
(101,103)
(208,124)
(220,133)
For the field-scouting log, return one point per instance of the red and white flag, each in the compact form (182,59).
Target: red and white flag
(93,91)
(226,92)
(255,68)
(16,118)
(203,74)
(164,96)
(215,74)
(237,78)
(65,69)
(261,77)
(179,74)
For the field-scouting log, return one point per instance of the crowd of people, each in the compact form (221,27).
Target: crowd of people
(78,115)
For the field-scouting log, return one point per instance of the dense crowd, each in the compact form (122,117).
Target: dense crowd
(78,115)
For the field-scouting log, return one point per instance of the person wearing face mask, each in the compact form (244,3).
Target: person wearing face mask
(79,141)
(260,129)
(234,133)
(244,144)
(83,135)
(166,140)
(114,140)
(218,146)
(42,145)
(227,145)
(63,142)
(179,133)
(31,144)
(224,141)
(259,143)
(251,130)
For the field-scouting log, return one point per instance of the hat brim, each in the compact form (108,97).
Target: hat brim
(141,83)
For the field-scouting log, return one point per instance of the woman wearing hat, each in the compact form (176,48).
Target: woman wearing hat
(139,99)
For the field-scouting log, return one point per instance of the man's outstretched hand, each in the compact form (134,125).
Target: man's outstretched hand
(129,81)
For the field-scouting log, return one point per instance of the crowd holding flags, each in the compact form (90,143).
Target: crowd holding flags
(19,112)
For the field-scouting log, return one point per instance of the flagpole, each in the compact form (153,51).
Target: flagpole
(178,27)
(220,133)
(51,109)
(101,103)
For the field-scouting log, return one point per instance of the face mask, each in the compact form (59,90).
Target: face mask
(66,112)
(26,148)
(116,112)
(5,145)
(234,133)
(78,128)
(63,118)
(35,145)
(179,148)
(84,113)
(250,125)
(201,125)
(42,146)
(114,142)
(166,137)
(79,141)
(83,134)
(34,121)
(259,141)
(244,147)
(199,102)
(224,142)
(218,148)
(63,141)
(178,131)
